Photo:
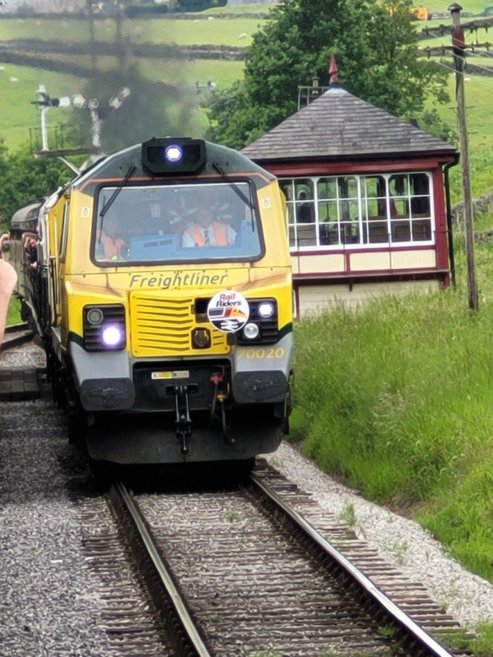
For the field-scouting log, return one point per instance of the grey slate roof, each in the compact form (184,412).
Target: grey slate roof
(339,126)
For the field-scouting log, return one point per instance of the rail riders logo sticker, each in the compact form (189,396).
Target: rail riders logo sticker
(228,311)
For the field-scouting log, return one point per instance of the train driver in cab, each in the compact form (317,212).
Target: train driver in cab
(109,243)
(206,231)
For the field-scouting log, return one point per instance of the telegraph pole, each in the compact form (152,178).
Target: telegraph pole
(459,59)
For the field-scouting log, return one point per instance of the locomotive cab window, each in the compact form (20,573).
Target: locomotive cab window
(161,223)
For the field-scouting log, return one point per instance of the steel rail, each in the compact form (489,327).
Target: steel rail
(172,592)
(400,617)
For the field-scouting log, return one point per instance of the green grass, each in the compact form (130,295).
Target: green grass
(13,315)
(476,7)
(188,32)
(478,92)
(396,398)
(18,114)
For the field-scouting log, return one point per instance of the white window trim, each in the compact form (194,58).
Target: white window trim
(311,234)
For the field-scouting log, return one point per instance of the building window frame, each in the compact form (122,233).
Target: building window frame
(352,211)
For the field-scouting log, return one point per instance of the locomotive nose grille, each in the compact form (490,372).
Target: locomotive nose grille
(163,327)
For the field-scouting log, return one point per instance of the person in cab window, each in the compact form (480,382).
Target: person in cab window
(31,249)
(109,245)
(305,209)
(207,232)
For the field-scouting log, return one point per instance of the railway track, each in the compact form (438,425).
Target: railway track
(255,570)
(244,572)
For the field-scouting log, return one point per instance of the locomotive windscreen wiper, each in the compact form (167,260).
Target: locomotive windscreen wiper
(112,198)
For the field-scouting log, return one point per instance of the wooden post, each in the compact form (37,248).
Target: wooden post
(459,55)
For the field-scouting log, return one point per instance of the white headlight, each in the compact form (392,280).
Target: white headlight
(112,336)
(266,309)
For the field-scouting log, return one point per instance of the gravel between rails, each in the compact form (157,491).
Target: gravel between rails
(402,542)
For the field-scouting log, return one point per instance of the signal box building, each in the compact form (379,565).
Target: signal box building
(367,200)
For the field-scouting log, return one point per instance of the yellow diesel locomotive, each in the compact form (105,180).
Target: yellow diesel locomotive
(159,280)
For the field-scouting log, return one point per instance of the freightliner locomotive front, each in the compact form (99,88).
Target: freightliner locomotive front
(161,287)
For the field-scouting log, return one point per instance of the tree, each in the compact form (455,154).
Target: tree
(376,52)
(27,180)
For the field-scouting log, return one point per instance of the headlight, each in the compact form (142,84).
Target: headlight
(251,331)
(95,316)
(266,309)
(262,325)
(112,336)
(104,327)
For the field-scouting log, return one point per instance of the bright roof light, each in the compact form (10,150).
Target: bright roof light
(173,153)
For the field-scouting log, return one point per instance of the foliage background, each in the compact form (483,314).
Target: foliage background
(295,45)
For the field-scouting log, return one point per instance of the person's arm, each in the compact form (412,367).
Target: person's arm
(8,279)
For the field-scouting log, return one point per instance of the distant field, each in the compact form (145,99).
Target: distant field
(18,83)
(18,86)
(232,32)
(469,7)
(479,122)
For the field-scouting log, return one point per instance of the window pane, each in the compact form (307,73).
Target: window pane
(305,208)
(420,201)
(323,211)
(348,187)
(401,231)
(351,186)
(421,230)
(303,187)
(330,233)
(374,186)
(306,235)
(420,184)
(399,185)
(375,196)
(377,232)
(327,188)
